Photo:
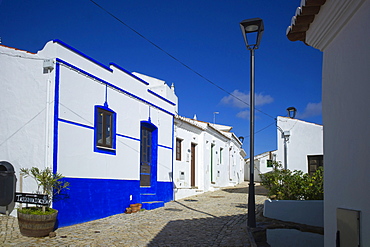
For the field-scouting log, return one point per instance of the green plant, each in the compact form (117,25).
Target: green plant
(284,184)
(36,211)
(50,183)
(314,185)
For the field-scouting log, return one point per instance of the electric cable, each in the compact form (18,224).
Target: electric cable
(177,60)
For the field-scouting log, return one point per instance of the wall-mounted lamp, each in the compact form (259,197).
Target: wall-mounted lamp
(291,111)
(241,139)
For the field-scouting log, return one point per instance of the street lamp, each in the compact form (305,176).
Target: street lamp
(252,27)
(214,116)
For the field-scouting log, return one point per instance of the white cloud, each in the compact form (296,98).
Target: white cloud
(243,114)
(260,99)
(311,110)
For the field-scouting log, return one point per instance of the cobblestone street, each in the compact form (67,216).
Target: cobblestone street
(210,219)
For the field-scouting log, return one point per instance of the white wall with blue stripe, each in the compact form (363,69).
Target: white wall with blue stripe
(105,178)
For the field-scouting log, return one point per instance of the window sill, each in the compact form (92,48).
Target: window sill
(106,148)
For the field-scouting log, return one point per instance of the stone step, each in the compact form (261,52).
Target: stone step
(148,197)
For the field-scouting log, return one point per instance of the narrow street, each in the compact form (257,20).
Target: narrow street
(210,219)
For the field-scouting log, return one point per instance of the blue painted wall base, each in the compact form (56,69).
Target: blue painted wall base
(91,199)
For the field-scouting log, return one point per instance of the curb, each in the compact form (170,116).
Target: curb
(251,238)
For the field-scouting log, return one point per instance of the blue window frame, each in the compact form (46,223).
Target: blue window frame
(105,130)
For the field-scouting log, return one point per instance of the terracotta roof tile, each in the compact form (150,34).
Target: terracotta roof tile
(17,49)
(304,16)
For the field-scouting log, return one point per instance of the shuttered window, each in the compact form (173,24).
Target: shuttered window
(178,149)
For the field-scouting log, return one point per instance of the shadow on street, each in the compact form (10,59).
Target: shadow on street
(259,190)
(209,231)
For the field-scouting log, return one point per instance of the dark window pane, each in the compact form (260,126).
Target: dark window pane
(108,136)
(104,128)
(100,128)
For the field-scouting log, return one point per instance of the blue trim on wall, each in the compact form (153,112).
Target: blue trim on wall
(91,199)
(117,134)
(129,73)
(75,123)
(112,86)
(173,137)
(97,148)
(162,146)
(128,137)
(56,116)
(162,98)
(81,54)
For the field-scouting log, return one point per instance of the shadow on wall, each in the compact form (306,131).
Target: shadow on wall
(209,231)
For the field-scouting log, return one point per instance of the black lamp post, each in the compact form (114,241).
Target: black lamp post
(252,27)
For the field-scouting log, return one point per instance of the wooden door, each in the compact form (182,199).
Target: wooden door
(192,182)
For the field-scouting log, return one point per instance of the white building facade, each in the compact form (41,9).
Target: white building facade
(263,163)
(207,157)
(340,30)
(301,143)
(108,131)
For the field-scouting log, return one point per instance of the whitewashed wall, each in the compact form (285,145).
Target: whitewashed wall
(305,139)
(346,110)
(188,134)
(227,169)
(260,165)
(47,120)
(23,113)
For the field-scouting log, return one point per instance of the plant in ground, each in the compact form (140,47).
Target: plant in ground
(284,184)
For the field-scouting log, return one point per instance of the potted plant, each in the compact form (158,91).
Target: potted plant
(39,221)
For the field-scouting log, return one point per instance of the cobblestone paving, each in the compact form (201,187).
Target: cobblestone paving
(210,219)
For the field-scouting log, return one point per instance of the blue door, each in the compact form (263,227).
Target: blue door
(145,157)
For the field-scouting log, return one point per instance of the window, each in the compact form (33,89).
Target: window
(178,149)
(221,149)
(105,130)
(314,162)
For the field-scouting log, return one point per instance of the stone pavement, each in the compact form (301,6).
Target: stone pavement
(210,219)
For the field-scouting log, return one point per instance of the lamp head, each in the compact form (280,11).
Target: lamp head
(291,111)
(241,139)
(249,26)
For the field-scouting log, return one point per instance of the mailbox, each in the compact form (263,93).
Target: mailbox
(7,183)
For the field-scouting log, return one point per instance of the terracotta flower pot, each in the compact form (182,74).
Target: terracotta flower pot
(135,207)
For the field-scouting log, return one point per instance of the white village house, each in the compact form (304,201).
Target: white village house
(207,157)
(300,142)
(108,131)
(340,30)
(262,164)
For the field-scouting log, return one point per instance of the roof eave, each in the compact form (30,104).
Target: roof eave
(304,16)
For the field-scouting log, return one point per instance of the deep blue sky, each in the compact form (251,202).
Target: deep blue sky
(203,34)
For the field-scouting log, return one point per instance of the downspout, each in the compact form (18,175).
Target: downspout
(47,162)
(56,117)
